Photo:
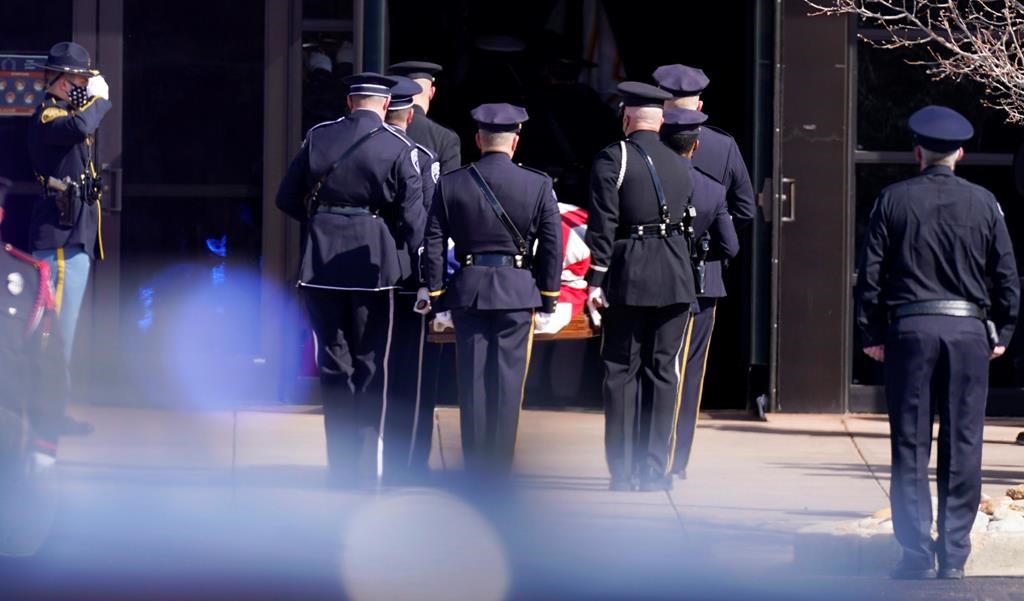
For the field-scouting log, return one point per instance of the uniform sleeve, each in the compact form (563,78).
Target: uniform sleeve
(740,193)
(430,170)
(62,127)
(871,274)
(435,243)
(603,216)
(450,153)
(291,194)
(548,260)
(1001,267)
(409,198)
(724,243)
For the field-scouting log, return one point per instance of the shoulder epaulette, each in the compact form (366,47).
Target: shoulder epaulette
(398,133)
(708,175)
(426,150)
(537,171)
(52,113)
(323,124)
(718,129)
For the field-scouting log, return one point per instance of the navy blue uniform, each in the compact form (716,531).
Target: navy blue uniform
(713,220)
(649,285)
(443,142)
(492,306)
(368,208)
(60,144)
(936,237)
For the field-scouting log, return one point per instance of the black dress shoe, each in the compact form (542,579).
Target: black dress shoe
(70,426)
(951,573)
(906,571)
(680,474)
(620,485)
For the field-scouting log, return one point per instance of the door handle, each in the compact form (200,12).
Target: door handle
(789,195)
(112,188)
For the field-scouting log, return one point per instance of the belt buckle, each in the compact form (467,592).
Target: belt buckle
(639,232)
(469,260)
(663,228)
(518,261)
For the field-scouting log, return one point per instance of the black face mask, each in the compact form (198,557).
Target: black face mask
(77,95)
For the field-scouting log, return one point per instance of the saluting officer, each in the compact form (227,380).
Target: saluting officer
(715,240)
(718,157)
(641,276)
(495,211)
(65,224)
(409,428)
(443,142)
(356,186)
(931,244)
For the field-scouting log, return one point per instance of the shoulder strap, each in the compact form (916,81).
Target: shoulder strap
(622,166)
(663,209)
(311,200)
(499,210)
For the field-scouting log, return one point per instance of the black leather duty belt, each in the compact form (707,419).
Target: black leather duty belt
(496,260)
(953,308)
(650,230)
(342,210)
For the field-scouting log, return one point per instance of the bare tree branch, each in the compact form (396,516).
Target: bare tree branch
(974,39)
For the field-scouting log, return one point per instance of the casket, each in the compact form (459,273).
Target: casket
(578,328)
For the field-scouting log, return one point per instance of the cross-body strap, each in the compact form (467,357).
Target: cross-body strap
(499,211)
(663,209)
(312,198)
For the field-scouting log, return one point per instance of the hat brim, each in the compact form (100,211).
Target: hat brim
(72,70)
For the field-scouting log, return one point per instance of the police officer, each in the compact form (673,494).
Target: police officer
(356,186)
(409,427)
(443,142)
(641,277)
(65,224)
(932,241)
(495,211)
(718,157)
(714,240)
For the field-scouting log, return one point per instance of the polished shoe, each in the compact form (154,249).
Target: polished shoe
(912,571)
(951,573)
(681,475)
(70,426)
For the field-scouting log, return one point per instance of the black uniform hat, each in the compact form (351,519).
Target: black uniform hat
(402,93)
(499,116)
(69,57)
(939,128)
(369,84)
(682,120)
(635,93)
(415,69)
(680,80)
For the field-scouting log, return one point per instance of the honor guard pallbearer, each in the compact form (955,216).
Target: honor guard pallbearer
(497,213)
(938,297)
(356,186)
(642,278)
(443,142)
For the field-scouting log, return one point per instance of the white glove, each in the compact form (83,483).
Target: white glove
(97,86)
(443,321)
(596,302)
(422,305)
(542,322)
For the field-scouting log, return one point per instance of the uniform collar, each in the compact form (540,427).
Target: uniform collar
(363,114)
(495,157)
(643,134)
(937,170)
(418,110)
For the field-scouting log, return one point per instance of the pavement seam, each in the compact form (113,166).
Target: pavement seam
(863,458)
(679,515)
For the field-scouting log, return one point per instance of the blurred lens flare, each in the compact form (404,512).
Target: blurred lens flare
(425,545)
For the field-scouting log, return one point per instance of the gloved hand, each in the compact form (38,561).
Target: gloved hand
(422,305)
(97,86)
(596,302)
(443,321)
(542,322)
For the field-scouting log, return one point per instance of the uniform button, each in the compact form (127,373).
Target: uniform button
(12,311)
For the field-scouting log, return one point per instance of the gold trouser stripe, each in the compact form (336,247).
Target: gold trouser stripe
(703,371)
(61,267)
(679,395)
(99,226)
(526,372)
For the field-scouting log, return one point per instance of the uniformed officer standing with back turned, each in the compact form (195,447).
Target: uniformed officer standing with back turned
(931,244)
(356,186)
(495,211)
(409,428)
(718,157)
(641,277)
(65,225)
(443,142)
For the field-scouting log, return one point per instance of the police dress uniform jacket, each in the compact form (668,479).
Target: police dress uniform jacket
(651,271)
(936,237)
(713,216)
(719,157)
(430,171)
(443,142)
(460,211)
(60,144)
(370,205)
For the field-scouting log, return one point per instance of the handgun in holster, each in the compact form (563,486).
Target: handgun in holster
(65,194)
(700,261)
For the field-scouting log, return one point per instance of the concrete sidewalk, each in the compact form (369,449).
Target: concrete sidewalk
(161,494)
